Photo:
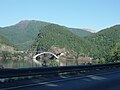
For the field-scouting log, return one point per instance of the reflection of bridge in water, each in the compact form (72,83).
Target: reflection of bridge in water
(43,53)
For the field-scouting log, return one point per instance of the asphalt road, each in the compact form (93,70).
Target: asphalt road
(109,80)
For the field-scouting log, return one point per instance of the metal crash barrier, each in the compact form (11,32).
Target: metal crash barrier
(8,73)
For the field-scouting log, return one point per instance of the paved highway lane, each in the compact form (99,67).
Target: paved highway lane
(103,81)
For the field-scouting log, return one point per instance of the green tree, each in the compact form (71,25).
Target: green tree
(100,61)
(53,63)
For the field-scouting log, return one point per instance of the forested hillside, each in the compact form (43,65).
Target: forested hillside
(104,41)
(5,41)
(114,54)
(59,36)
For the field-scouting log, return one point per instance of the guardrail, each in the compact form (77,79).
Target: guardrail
(8,73)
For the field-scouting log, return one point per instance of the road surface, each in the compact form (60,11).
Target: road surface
(107,80)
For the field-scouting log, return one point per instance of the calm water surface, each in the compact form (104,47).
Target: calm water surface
(18,64)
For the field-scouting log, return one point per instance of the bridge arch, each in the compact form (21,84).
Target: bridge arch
(37,62)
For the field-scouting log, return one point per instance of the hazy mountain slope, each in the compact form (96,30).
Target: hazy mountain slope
(80,32)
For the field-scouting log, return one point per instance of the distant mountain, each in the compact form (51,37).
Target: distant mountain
(80,32)
(89,30)
(23,33)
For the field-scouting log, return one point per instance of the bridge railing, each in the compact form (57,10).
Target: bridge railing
(8,73)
